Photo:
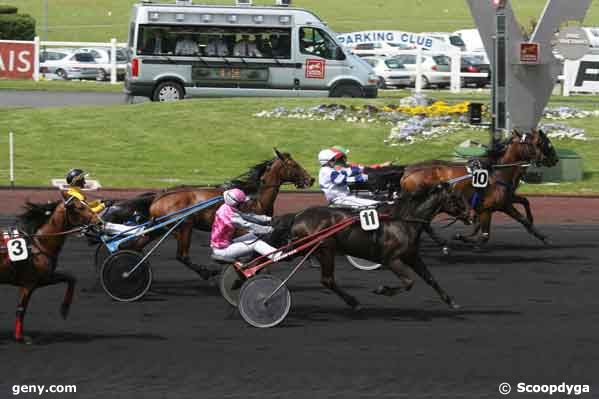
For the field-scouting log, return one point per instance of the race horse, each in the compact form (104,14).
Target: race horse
(395,244)
(507,167)
(45,227)
(506,170)
(265,180)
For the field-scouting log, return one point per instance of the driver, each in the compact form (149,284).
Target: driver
(228,218)
(76,181)
(334,176)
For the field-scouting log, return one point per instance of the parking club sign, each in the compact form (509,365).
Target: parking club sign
(17,60)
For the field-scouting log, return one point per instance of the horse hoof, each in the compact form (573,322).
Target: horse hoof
(458,237)
(380,290)
(454,306)
(24,340)
(445,251)
(356,308)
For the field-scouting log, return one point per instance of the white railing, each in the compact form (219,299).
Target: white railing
(455,72)
(112,65)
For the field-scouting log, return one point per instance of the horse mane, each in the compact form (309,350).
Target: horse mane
(406,205)
(35,216)
(249,182)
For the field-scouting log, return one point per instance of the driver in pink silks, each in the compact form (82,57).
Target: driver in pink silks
(228,218)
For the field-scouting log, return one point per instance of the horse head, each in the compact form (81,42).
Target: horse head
(534,147)
(75,213)
(289,171)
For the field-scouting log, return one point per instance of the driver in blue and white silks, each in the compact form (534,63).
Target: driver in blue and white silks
(333,179)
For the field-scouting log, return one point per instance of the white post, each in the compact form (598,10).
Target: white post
(113,60)
(418,82)
(456,67)
(11,154)
(566,81)
(36,59)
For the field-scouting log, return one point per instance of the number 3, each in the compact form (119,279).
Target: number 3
(17,249)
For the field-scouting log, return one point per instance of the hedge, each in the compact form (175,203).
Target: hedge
(17,27)
(4,9)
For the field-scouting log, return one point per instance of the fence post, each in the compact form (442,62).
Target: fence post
(113,60)
(418,82)
(566,81)
(456,66)
(11,155)
(36,60)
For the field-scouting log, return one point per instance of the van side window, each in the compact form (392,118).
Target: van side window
(214,41)
(317,42)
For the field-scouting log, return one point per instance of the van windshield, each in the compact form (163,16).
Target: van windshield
(456,41)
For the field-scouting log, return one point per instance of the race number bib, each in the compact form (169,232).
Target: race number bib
(369,219)
(17,249)
(480,178)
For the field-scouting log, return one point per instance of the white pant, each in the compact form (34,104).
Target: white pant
(245,245)
(354,202)
(115,228)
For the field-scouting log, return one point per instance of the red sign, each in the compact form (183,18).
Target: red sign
(17,60)
(529,53)
(315,69)
(499,3)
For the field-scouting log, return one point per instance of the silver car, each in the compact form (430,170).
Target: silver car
(431,64)
(68,64)
(390,72)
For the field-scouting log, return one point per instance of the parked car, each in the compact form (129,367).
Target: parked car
(382,49)
(389,71)
(430,64)
(102,56)
(593,34)
(448,38)
(67,64)
(474,64)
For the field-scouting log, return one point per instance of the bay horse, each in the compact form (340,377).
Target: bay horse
(395,244)
(45,227)
(506,170)
(265,180)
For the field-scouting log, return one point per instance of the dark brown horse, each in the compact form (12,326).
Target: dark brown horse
(45,228)
(500,195)
(265,180)
(395,244)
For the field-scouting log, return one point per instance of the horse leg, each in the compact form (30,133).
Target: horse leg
(437,239)
(484,226)
(24,296)
(183,237)
(416,263)
(62,277)
(407,282)
(326,257)
(517,216)
(517,199)
(473,233)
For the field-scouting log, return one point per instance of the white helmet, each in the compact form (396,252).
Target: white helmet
(325,156)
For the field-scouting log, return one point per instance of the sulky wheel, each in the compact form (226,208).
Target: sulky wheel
(100,256)
(253,307)
(362,264)
(230,284)
(118,281)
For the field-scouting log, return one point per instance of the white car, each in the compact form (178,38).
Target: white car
(102,56)
(68,64)
(430,64)
(381,49)
(449,39)
(593,34)
(389,71)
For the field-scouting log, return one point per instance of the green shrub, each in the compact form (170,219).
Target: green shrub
(8,9)
(17,27)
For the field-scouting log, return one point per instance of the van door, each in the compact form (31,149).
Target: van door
(319,61)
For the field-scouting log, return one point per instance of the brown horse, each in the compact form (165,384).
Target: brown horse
(45,227)
(395,244)
(500,194)
(268,177)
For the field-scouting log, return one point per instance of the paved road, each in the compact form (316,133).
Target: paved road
(37,99)
(530,313)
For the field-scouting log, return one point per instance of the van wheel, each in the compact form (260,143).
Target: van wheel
(168,91)
(426,84)
(347,91)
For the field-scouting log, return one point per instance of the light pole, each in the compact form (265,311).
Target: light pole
(45,19)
